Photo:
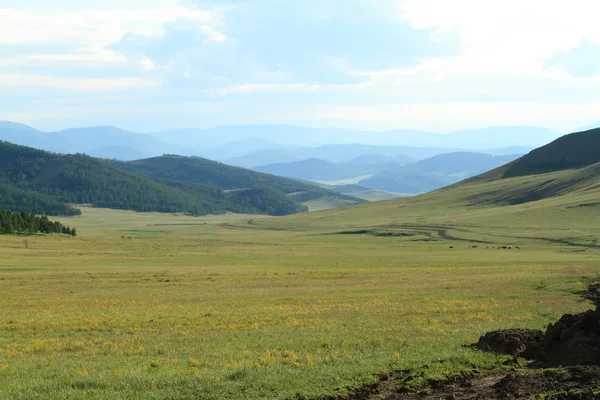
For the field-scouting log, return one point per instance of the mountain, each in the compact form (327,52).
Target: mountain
(116,153)
(408,182)
(460,164)
(435,172)
(569,164)
(378,159)
(298,136)
(528,206)
(225,177)
(262,158)
(27,136)
(234,149)
(334,153)
(44,179)
(355,154)
(255,145)
(395,175)
(95,139)
(577,150)
(312,169)
(103,141)
(286,135)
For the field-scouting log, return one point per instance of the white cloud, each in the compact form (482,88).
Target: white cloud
(83,56)
(39,82)
(511,36)
(91,27)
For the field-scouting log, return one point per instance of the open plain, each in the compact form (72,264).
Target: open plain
(163,306)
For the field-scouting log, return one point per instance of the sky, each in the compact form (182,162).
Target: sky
(435,65)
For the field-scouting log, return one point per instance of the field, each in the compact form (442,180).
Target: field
(154,306)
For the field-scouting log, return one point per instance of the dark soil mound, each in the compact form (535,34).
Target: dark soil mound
(515,342)
(573,340)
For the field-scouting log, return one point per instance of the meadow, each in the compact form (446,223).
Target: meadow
(156,306)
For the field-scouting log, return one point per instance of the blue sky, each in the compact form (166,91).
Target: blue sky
(371,64)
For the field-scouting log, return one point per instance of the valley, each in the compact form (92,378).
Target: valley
(313,305)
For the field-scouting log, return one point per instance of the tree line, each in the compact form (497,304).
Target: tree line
(26,223)
(44,183)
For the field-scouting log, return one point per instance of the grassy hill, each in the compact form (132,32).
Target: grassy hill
(576,150)
(206,172)
(529,203)
(42,181)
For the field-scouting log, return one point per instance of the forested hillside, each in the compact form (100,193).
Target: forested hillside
(202,171)
(27,223)
(45,180)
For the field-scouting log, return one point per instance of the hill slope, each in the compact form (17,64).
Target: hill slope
(525,205)
(202,171)
(576,150)
(45,179)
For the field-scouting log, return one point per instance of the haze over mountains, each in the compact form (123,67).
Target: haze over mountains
(556,182)
(275,143)
(383,164)
(392,174)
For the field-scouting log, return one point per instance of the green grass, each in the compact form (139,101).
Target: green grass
(164,307)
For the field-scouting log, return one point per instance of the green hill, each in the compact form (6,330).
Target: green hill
(576,150)
(44,179)
(522,205)
(206,172)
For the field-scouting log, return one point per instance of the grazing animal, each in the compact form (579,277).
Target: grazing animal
(451,247)
(517,247)
(510,247)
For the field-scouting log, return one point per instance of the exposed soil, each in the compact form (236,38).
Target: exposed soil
(565,366)
(516,342)
(572,383)
(572,340)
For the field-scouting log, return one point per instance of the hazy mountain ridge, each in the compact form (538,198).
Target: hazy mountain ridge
(255,145)
(396,177)
(349,153)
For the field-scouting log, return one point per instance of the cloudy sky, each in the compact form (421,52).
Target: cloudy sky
(436,65)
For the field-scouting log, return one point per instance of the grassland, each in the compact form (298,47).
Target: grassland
(238,307)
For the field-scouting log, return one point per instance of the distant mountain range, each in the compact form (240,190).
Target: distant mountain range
(103,142)
(295,136)
(389,174)
(255,145)
(348,153)
(404,161)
